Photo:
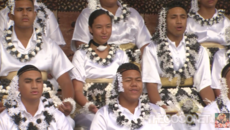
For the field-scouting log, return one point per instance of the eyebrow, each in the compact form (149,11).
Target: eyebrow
(39,78)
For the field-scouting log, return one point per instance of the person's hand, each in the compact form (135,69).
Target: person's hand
(165,107)
(65,108)
(2,108)
(93,109)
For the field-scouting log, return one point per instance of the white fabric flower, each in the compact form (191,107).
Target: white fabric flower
(121,17)
(124,11)
(180,70)
(26,57)
(109,57)
(37,49)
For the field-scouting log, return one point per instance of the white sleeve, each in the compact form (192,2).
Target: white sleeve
(53,30)
(150,73)
(2,25)
(81,30)
(78,61)
(202,76)
(143,36)
(60,63)
(61,121)
(99,121)
(218,64)
(124,57)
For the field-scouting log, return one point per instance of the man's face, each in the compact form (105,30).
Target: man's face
(208,3)
(24,14)
(31,85)
(176,22)
(132,84)
(108,2)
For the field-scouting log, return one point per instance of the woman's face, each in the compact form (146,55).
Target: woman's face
(101,29)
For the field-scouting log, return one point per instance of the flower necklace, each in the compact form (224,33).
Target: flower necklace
(95,58)
(23,123)
(15,53)
(192,48)
(42,16)
(123,16)
(209,22)
(122,120)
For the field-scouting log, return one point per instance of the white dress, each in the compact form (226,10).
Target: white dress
(52,29)
(85,68)
(61,123)
(133,30)
(50,59)
(206,33)
(106,120)
(220,60)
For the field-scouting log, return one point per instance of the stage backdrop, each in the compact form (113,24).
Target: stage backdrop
(67,12)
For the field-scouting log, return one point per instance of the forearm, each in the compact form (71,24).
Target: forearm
(66,86)
(78,90)
(153,93)
(216,92)
(207,95)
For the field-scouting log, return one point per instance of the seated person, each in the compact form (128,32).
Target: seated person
(128,109)
(222,104)
(207,22)
(128,30)
(49,24)
(175,57)
(24,43)
(26,108)
(95,67)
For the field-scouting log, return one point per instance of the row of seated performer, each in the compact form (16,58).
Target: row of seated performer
(175,67)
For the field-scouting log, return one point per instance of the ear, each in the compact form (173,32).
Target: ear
(90,30)
(11,16)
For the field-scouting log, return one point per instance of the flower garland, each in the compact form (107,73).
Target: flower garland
(95,58)
(122,120)
(209,22)
(95,4)
(15,53)
(42,16)
(192,48)
(227,38)
(12,105)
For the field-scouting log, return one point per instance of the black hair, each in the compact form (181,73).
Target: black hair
(29,0)
(127,66)
(225,70)
(175,4)
(27,68)
(95,14)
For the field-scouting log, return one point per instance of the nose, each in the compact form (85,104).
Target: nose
(34,85)
(104,30)
(25,12)
(179,20)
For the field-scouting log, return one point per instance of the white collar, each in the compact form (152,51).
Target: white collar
(182,42)
(23,108)
(125,110)
(16,40)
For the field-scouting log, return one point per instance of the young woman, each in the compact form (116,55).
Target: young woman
(26,108)
(128,108)
(95,67)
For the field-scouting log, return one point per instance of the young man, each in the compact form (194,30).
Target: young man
(179,60)
(51,28)
(128,110)
(25,106)
(24,44)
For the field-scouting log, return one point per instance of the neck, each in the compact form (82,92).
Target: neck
(110,7)
(31,105)
(176,39)
(207,13)
(23,35)
(130,105)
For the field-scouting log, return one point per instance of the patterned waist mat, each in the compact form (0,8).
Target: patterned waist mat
(173,83)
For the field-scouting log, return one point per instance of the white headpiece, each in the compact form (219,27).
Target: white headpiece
(194,6)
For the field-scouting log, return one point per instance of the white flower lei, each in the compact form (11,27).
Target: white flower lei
(15,53)
(208,22)
(95,58)
(95,4)
(12,105)
(166,62)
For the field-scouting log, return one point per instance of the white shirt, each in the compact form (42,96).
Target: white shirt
(51,58)
(106,120)
(220,60)
(208,117)
(206,33)
(151,69)
(60,123)
(85,68)
(133,30)
(52,29)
